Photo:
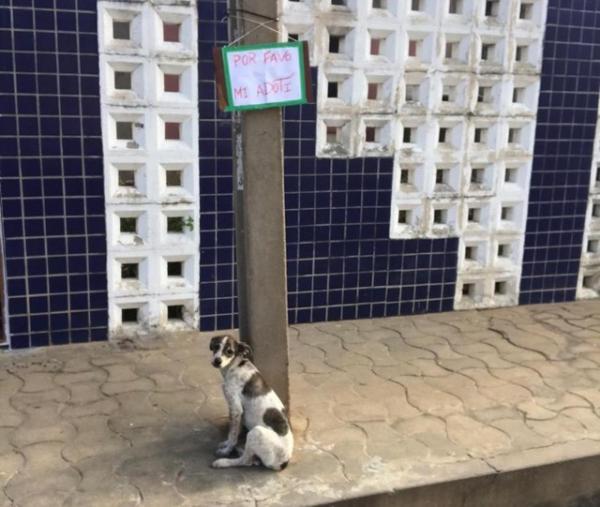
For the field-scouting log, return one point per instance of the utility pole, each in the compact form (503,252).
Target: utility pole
(260,213)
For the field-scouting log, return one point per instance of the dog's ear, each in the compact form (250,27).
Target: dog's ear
(214,342)
(244,350)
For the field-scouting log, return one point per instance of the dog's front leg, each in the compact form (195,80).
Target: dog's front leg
(235,424)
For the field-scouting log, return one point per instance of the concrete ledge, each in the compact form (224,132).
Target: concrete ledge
(573,483)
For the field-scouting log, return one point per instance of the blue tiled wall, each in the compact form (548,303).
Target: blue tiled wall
(566,125)
(341,262)
(51,185)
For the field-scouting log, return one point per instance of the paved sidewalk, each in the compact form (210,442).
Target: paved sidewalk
(377,405)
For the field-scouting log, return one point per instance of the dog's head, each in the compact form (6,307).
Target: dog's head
(226,348)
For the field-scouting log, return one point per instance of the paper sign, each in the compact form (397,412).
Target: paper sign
(265,75)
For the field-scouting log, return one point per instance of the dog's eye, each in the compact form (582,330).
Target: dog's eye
(228,352)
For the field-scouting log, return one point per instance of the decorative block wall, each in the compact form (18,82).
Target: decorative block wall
(588,283)
(449,89)
(148,72)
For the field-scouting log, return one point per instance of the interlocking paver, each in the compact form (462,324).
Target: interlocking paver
(376,404)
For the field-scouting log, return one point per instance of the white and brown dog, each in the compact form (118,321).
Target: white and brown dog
(269,441)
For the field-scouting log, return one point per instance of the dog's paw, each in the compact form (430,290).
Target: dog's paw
(220,463)
(224,449)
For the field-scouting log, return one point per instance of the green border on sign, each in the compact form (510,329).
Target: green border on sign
(228,87)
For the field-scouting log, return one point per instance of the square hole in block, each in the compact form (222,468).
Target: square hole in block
(409,135)
(339,88)
(176,30)
(504,251)
(405,216)
(492,8)
(378,137)
(417,5)
(340,42)
(174,177)
(171,83)
(475,254)
(474,214)
(176,224)
(175,132)
(484,94)
(128,225)
(122,80)
(130,271)
(334,137)
(126,131)
(177,272)
(447,178)
(514,135)
(175,268)
(171,32)
(588,282)
(121,28)
(456,6)
(468,289)
(449,93)
(450,135)
(526,10)
(411,92)
(175,312)
(440,216)
(126,178)
(511,174)
(480,135)
(172,131)
(129,315)
(176,182)
(382,44)
(174,82)
(471,253)
(500,287)
(481,178)
(593,246)
(379,4)
(596,210)
(488,51)
(507,213)
(408,178)
(125,80)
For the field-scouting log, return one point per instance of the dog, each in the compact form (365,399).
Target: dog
(269,441)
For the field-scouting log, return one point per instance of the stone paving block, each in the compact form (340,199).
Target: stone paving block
(91,375)
(430,400)
(464,388)
(44,472)
(559,429)
(92,438)
(480,440)
(38,429)
(127,386)
(103,406)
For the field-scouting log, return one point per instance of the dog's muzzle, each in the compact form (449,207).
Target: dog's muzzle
(216,362)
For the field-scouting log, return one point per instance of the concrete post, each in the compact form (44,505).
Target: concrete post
(260,218)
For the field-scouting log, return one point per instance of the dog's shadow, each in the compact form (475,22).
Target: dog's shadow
(179,462)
